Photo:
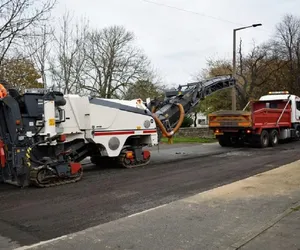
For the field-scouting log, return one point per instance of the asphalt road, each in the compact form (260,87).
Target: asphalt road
(32,215)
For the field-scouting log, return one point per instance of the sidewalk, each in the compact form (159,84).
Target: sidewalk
(260,212)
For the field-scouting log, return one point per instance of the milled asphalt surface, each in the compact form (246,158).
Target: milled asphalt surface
(106,196)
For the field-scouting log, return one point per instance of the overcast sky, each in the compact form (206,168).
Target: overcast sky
(178,42)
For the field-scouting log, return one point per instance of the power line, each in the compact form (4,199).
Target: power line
(190,11)
(196,13)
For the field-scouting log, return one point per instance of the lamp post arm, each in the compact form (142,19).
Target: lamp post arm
(241,28)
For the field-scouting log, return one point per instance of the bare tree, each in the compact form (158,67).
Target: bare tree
(273,65)
(67,66)
(219,100)
(287,43)
(258,71)
(113,63)
(16,17)
(38,49)
(145,89)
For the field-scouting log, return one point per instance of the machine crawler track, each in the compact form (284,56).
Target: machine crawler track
(55,181)
(126,163)
(121,161)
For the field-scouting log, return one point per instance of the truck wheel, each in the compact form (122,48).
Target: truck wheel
(273,138)
(224,141)
(297,137)
(264,139)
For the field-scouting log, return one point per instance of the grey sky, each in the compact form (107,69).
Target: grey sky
(178,43)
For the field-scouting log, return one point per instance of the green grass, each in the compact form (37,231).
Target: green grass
(296,208)
(189,140)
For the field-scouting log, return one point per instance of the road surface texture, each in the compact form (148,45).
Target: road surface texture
(28,216)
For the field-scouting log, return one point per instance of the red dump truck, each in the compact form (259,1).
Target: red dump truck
(272,118)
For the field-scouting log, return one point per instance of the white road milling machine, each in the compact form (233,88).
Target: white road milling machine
(44,135)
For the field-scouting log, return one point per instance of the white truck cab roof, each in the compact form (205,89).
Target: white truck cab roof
(274,97)
(278,95)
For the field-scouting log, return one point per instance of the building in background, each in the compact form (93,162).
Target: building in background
(202,120)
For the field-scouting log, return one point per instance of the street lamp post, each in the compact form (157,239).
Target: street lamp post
(234,61)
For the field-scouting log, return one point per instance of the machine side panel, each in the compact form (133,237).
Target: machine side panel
(114,124)
(49,116)
(10,113)
(81,109)
(114,141)
(125,105)
(104,118)
(33,105)
(77,116)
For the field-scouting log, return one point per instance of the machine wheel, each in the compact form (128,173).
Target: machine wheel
(264,139)
(273,138)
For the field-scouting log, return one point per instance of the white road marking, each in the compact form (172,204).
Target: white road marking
(42,243)
(70,235)
(145,211)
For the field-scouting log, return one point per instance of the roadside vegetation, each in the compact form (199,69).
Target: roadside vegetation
(189,140)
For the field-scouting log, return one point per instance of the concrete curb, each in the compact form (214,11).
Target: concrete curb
(264,228)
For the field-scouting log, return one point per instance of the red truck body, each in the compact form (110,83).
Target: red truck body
(266,118)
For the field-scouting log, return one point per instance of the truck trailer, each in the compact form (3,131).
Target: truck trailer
(273,118)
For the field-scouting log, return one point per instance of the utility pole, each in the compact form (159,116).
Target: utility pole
(233,100)
(234,71)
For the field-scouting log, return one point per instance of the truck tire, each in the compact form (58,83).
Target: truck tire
(224,141)
(273,138)
(264,139)
(297,136)
(236,141)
